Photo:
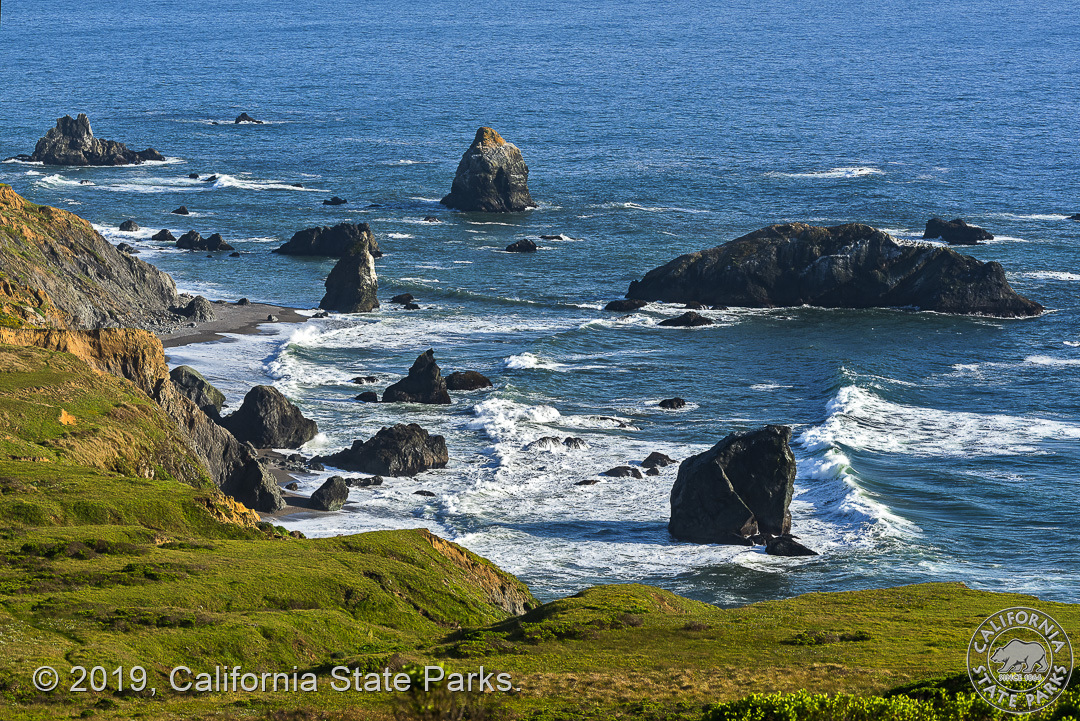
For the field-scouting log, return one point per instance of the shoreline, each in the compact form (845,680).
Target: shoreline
(230,318)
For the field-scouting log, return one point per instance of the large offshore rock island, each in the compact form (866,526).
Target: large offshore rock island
(844,266)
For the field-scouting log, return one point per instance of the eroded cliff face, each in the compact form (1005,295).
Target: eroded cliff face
(75,277)
(138,356)
(499,587)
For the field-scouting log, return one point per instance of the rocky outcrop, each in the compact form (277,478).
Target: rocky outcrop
(689,319)
(492,177)
(89,282)
(245,118)
(786,546)
(163,235)
(401,450)
(845,266)
(656,459)
(330,496)
(466,381)
(182,210)
(673,404)
(623,306)
(139,357)
(424,384)
(192,240)
(955,232)
(191,384)
(267,419)
(623,472)
(72,142)
(199,310)
(739,488)
(521,246)
(334,242)
(352,285)
(129,226)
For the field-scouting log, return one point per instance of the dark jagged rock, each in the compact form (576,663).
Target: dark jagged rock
(292,486)
(234,255)
(334,242)
(330,496)
(694,305)
(545,443)
(689,319)
(215,242)
(431,219)
(424,384)
(193,386)
(192,240)
(410,306)
(401,450)
(182,210)
(588,482)
(364,380)
(403,298)
(245,118)
(553,237)
(368,397)
(623,472)
(335,201)
(845,266)
(1075,216)
(652,472)
(521,246)
(364,482)
(672,404)
(163,235)
(740,487)
(786,546)
(491,177)
(466,381)
(429,494)
(199,310)
(623,306)
(193,176)
(575,443)
(125,248)
(211,179)
(267,419)
(129,226)
(352,285)
(72,142)
(955,232)
(657,460)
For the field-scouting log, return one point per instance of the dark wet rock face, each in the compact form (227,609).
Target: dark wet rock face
(129,226)
(492,177)
(740,487)
(401,450)
(672,404)
(466,381)
(689,319)
(192,385)
(657,460)
(364,482)
(245,118)
(368,397)
(845,266)
(72,142)
(521,246)
(163,236)
(955,232)
(334,242)
(267,419)
(182,210)
(403,298)
(192,240)
(575,444)
(330,496)
(623,472)
(424,384)
(335,201)
(352,285)
(623,306)
(786,546)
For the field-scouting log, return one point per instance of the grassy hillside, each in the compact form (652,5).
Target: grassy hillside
(115,550)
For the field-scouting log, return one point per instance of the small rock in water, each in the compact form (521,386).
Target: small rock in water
(335,201)
(182,210)
(1075,216)
(365,379)
(786,546)
(331,495)
(129,226)
(522,246)
(234,255)
(211,179)
(467,381)
(321,314)
(245,118)
(589,482)
(410,306)
(431,219)
(575,443)
(657,460)
(125,248)
(694,305)
(163,235)
(623,306)
(298,185)
(672,404)
(955,232)
(403,298)
(193,176)
(365,482)
(652,472)
(424,493)
(689,319)
(553,237)
(623,472)
(368,397)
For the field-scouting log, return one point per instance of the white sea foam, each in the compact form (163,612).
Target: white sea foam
(846,172)
(649,209)
(1031,216)
(1051,275)
(232,181)
(862,420)
(1045,360)
(524,361)
(398,236)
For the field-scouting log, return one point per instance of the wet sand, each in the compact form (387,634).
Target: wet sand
(230,318)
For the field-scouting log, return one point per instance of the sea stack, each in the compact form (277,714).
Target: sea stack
(352,284)
(72,142)
(334,242)
(492,177)
(843,266)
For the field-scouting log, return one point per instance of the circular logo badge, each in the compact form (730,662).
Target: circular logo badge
(1020,660)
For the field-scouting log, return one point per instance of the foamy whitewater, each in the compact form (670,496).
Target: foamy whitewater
(929,447)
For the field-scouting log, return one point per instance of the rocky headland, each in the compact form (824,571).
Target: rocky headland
(844,266)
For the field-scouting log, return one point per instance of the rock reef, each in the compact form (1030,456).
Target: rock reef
(844,266)
(955,232)
(401,450)
(334,242)
(72,142)
(492,177)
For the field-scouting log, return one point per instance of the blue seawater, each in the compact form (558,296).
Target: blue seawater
(931,447)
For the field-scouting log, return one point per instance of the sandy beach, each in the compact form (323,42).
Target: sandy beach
(230,318)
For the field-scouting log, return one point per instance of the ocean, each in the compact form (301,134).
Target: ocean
(930,447)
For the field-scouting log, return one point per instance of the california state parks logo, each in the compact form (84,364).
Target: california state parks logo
(1020,660)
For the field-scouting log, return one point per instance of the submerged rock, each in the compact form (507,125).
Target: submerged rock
(955,232)
(352,285)
(466,381)
(182,210)
(424,384)
(330,496)
(192,385)
(72,142)
(401,450)
(623,306)
(689,319)
(334,242)
(267,419)
(673,404)
(845,266)
(521,246)
(335,201)
(492,177)
(740,487)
